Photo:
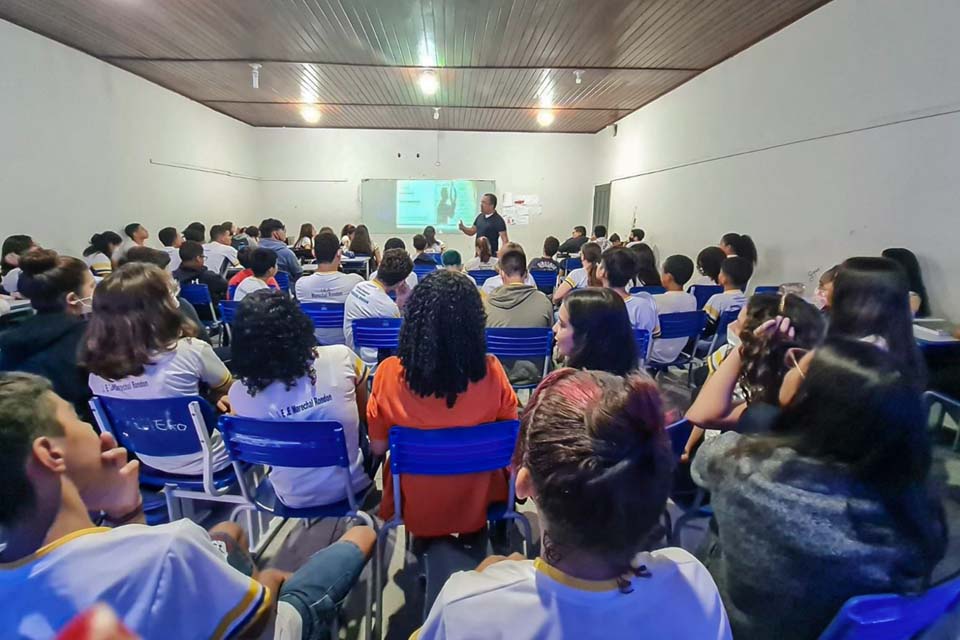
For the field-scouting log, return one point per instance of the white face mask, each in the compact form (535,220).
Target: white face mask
(86,305)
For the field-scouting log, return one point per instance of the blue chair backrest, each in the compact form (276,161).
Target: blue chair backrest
(232,291)
(767,290)
(679,433)
(196,294)
(161,427)
(283,280)
(228,309)
(642,338)
(437,257)
(481,275)
(725,319)
(572,263)
(545,278)
(510,342)
(285,443)
(703,292)
(325,315)
(423,271)
(891,616)
(377,333)
(452,451)
(687,324)
(652,290)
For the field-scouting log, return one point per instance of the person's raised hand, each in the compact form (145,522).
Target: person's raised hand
(778,328)
(118,491)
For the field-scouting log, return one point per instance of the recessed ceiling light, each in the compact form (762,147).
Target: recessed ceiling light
(429,82)
(310,114)
(545,117)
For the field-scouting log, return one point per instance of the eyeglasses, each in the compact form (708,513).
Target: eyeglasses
(792,358)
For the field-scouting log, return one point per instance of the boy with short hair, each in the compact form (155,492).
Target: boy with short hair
(617,267)
(422,258)
(192,269)
(263,263)
(600,237)
(273,236)
(171,239)
(495,282)
(397,243)
(219,252)
(328,283)
(573,244)
(636,237)
(370,299)
(546,262)
(677,271)
(735,273)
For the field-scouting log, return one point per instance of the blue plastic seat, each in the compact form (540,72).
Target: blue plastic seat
(572,263)
(546,280)
(232,291)
(423,271)
(324,315)
(687,324)
(703,293)
(199,296)
(522,343)
(377,333)
(719,338)
(933,400)
(642,339)
(283,281)
(767,289)
(679,433)
(652,290)
(437,257)
(481,275)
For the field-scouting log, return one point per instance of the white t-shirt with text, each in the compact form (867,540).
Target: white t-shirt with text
(331,287)
(367,300)
(475,264)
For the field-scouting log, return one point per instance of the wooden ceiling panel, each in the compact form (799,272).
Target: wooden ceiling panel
(492,55)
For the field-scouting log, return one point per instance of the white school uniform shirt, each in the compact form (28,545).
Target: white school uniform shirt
(474,264)
(248,286)
(332,287)
(215,254)
(604,243)
(367,300)
(436,247)
(165,581)
(11,280)
(411,279)
(667,350)
(531,599)
(720,302)
(496,282)
(333,396)
(174,254)
(642,312)
(578,278)
(172,374)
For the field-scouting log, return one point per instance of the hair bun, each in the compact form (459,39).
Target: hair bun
(38,261)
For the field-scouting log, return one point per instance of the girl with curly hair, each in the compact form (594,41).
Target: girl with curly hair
(441,377)
(283,375)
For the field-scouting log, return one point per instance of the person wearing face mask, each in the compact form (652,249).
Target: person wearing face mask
(60,289)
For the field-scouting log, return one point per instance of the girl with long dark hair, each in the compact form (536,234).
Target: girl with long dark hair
(593,332)
(585,276)
(99,254)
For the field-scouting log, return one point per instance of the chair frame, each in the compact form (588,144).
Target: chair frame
(947,405)
(725,320)
(547,280)
(524,345)
(480,276)
(683,359)
(703,293)
(189,291)
(644,341)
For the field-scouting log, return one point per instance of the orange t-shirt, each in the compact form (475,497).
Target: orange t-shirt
(435,506)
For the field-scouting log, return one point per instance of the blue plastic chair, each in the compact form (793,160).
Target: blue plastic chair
(377,333)
(572,263)
(679,433)
(525,343)
(481,275)
(687,324)
(324,315)
(546,280)
(652,290)
(719,338)
(199,296)
(283,281)
(437,257)
(703,292)
(300,444)
(173,427)
(228,311)
(767,289)
(642,339)
(232,291)
(892,616)
(423,271)
(452,451)
(947,406)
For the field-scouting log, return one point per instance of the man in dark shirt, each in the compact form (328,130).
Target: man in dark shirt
(192,270)
(572,244)
(488,224)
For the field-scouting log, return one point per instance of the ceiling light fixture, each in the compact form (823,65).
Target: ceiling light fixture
(578,75)
(310,113)
(429,82)
(255,74)
(545,117)
(436,113)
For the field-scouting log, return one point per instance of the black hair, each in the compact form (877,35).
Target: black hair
(647,273)
(168,236)
(361,243)
(395,267)
(709,261)
(145,254)
(252,231)
(194,234)
(911,268)
(442,340)
(493,199)
(602,335)
(347,230)
(742,246)
(600,231)
(419,242)
(15,244)
(190,250)
(739,270)
(680,267)
(261,261)
(550,246)
(590,253)
(394,243)
(325,247)
(269,225)
(614,238)
(102,242)
(131,229)
(580,229)
(243,256)
(513,262)
(637,235)
(216,231)
(48,278)
(451,257)
(273,340)
(197,225)
(620,265)
(430,235)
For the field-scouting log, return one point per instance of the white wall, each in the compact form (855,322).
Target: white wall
(76,137)
(558,167)
(850,65)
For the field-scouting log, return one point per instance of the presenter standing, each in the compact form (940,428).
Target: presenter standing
(488,224)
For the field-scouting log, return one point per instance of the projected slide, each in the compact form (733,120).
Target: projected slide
(441,203)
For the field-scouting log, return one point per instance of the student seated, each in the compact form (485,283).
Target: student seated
(370,299)
(246,238)
(13,247)
(615,240)
(327,283)
(919,300)
(193,271)
(636,237)
(735,245)
(433,245)
(824,295)
(517,304)
(495,282)
(363,245)
(709,261)
(273,236)
(546,262)
(594,332)
(397,243)
(452,262)
(677,271)
(594,457)
(283,375)
(219,254)
(647,274)
(600,237)
(833,503)
(263,264)
(441,377)
(171,240)
(195,232)
(60,290)
(575,242)
(303,247)
(167,581)
(585,276)
(735,273)
(98,255)
(422,258)
(139,346)
(484,259)
(136,236)
(617,267)
(243,256)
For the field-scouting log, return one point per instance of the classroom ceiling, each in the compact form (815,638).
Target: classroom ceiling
(499,64)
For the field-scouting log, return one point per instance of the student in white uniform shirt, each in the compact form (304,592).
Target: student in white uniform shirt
(735,273)
(397,243)
(263,263)
(677,271)
(484,260)
(495,282)
(140,347)
(371,300)
(600,237)
(219,254)
(171,239)
(99,253)
(327,283)
(582,277)
(616,268)
(136,236)
(167,581)
(283,375)
(594,457)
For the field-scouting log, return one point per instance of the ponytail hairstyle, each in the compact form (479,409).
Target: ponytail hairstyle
(430,234)
(483,249)
(600,461)
(48,278)
(103,243)
(741,246)
(590,255)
